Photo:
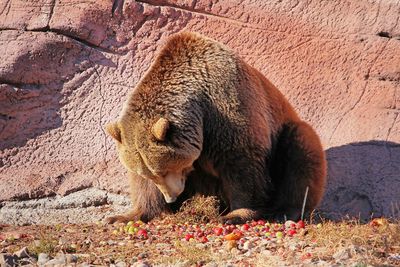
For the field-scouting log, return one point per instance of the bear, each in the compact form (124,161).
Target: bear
(202,121)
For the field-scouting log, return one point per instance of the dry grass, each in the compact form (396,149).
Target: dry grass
(199,209)
(45,244)
(189,254)
(370,241)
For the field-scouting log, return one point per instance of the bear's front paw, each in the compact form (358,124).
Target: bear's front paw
(232,220)
(119,219)
(240,216)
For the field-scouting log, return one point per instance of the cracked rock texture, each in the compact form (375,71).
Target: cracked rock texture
(66,68)
(87,205)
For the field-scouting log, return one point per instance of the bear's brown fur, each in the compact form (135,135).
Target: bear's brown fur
(202,121)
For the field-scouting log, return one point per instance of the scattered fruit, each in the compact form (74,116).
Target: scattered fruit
(232,236)
(300,224)
(142,233)
(204,239)
(188,237)
(379,222)
(279,234)
(218,231)
(291,232)
(245,227)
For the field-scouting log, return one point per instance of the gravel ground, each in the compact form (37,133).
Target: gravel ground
(60,231)
(168,243)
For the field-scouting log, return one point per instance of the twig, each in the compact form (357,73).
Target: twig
(304,204)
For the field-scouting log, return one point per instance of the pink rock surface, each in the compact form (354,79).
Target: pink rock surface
(67,66)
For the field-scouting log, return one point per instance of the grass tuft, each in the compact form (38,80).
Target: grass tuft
(44,245)
(199,209)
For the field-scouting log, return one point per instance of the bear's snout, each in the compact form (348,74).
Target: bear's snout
(171,186)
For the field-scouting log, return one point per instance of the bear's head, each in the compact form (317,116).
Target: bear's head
(155,149)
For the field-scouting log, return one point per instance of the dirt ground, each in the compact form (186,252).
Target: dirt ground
(194,237)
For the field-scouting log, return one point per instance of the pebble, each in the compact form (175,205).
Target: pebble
(248,245)
(140,264)
(43,258)
(70,258)
(22,253)
(248,253)
(62,241)
(120,264)
(143,255)
(7,260)
(111,242)
(342,254)
(55,262)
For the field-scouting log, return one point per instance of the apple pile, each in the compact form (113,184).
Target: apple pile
(205,233)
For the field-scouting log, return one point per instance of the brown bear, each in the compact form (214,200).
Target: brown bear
(202,121)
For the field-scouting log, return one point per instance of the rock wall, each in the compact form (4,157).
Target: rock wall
(66,67)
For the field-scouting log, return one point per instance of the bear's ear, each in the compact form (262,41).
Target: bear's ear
(114,131)
(160,128)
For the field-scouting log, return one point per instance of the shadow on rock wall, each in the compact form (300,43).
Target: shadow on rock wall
(363,180)
(32,82)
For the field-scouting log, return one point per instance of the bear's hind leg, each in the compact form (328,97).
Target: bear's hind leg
(298,163)
(246,190)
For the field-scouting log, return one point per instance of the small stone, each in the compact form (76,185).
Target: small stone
(143,255)
(111,242)
(71,258)
(7,260)
(342,254)
(248,245)
(22,253)
(322,263)
(265,243)
(62,241)
(140,264)
(120,264)
(58,260)
(248,253)
(43,258)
